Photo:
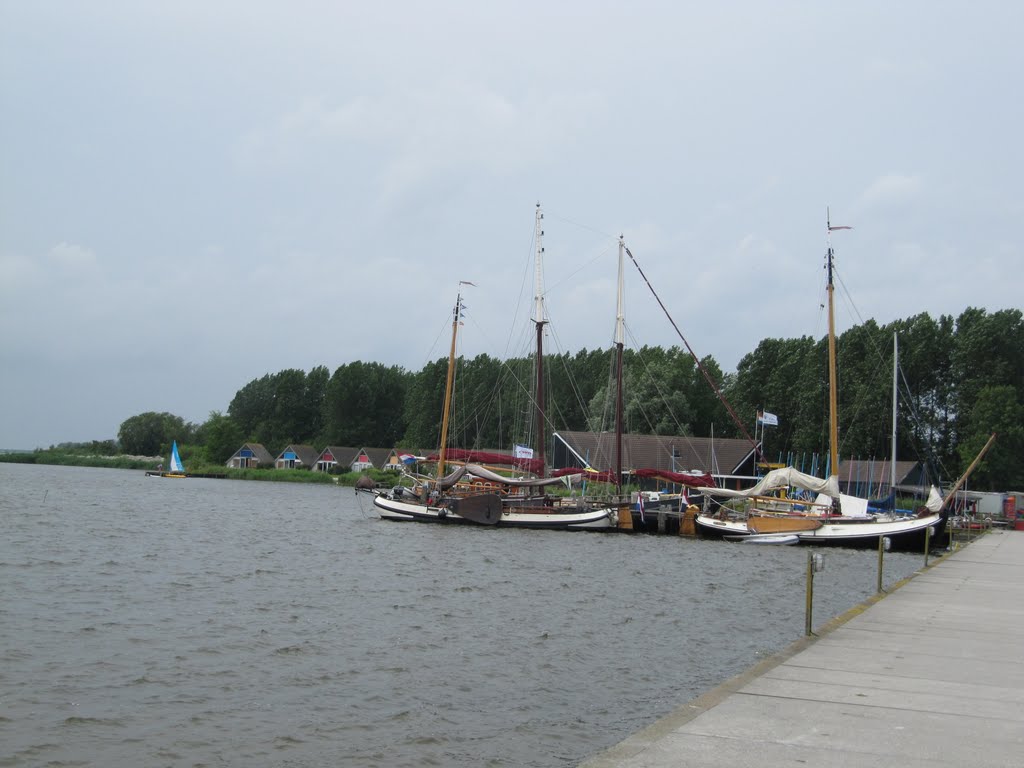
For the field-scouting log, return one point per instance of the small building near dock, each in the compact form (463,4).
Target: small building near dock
(250,456)
(296,457)
(335,458)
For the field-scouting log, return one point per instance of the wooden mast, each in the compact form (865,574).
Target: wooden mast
(449,382)
(970,469)
(833,398)
(895,394)
(620,340)
(539,321)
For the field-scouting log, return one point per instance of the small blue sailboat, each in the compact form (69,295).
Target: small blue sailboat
(177,469)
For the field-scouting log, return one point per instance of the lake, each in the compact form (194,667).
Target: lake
(162,622)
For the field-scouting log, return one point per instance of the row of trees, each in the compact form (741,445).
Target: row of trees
(961,380)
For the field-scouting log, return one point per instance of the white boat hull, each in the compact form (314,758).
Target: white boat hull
(712,526)
(601,518)
(901,532)
(766,538)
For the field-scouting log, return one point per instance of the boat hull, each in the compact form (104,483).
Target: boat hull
(715,528)
(399,510)
(768,524)
(906,534)
(766,538)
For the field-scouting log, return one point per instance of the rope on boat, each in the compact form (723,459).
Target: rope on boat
(696,359)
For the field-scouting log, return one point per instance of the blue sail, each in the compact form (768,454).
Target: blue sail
(176,465)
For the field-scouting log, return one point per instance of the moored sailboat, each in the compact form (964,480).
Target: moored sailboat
(456,499)
(818,512)
(176,467)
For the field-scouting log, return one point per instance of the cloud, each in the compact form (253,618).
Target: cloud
(72,256)
(411,137)
(891,191)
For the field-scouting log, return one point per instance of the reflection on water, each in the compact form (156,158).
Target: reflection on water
(209,622)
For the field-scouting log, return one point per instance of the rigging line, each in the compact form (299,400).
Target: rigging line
(915,419)
(703,370)
(573,274)
(588,227)
(570,376)
(657,386)
(522,290)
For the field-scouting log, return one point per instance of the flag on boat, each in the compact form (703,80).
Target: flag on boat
(523,452)
(834,228)
(768,419)
(640,504)
(407,458)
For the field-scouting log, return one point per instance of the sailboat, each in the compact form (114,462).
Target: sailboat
(177,469)
(453,498)
(818,513)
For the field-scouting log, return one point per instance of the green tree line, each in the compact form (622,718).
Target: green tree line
(961,379)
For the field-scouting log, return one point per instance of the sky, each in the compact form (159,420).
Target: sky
(195,194)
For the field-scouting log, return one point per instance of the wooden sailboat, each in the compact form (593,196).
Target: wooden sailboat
(831,517)
(442,500)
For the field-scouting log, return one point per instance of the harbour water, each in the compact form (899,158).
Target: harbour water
(196,622)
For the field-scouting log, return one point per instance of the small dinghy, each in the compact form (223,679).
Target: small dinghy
(766,538)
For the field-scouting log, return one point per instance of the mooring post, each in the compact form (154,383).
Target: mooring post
(927,543)
(883,544)
(815,562)
(810,593)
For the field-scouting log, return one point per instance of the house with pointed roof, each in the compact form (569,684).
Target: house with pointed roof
(335,458)
(377,457)
(250,456)
(296,457)
(393,460)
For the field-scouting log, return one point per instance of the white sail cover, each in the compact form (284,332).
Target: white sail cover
(478,471)
(849,506)
(785,477)
(935,501)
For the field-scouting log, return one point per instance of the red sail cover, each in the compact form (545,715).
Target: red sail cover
(692,479)
(536,466)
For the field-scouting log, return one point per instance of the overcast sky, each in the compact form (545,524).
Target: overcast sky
(194,194)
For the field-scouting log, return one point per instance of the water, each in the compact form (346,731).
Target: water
(223,623)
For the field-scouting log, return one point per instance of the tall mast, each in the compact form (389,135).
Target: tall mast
(620,340)
(892,455)
(456,318)
(833,399)
(539,321)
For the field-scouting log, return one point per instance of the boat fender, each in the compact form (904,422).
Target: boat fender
(442,513)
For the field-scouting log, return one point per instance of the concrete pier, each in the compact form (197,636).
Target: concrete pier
(931,674)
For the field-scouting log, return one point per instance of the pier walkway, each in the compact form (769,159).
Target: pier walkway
(930,675)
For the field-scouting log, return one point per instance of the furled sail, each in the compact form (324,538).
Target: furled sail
(783,478)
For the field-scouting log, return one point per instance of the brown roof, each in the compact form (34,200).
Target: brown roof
(377,456)
(306,454)
(715,455)
(261,454)
(342,454)
(873,471)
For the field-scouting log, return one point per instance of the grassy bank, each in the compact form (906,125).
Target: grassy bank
(60,458)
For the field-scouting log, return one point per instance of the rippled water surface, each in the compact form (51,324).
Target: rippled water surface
(224,623)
